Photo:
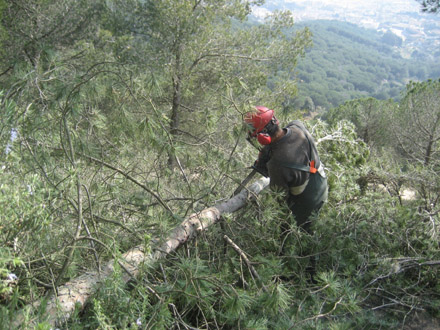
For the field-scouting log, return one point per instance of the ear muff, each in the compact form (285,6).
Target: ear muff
(264,139)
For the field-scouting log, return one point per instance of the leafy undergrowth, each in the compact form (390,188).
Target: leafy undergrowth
(371,271)
(371,261)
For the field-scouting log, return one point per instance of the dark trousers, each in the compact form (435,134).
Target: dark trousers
(309,201)
(303,206)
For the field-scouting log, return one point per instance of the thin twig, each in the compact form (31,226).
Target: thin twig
(92,244)
(319,315)
(114,222)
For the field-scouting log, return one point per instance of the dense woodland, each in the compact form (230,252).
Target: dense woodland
(119,119)
(349,62)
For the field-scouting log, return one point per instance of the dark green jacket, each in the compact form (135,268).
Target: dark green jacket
(296,147)
(290,159)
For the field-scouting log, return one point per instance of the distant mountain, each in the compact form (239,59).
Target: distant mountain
(420,32)
(377,10)
(348,62)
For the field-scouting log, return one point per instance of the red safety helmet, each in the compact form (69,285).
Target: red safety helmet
(258,121)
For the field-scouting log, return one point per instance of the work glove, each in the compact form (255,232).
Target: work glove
(260,165)
(260,169)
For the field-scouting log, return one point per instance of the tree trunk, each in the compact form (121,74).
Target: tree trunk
(78,291)
(175,111)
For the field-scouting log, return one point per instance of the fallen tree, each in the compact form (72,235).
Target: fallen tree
(76,292)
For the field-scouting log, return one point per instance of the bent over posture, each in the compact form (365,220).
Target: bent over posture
(291,161)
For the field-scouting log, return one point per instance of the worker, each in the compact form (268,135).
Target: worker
(290,159)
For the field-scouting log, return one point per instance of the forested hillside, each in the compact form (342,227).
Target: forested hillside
(121,144)
(348,62)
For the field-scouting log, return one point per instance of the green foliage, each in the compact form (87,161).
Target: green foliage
(8,119)
(342,153)
(370,117)
(416,132)
(31,30)
(404,133)
(8,280)
(2,31)
(116,307)
(419,115)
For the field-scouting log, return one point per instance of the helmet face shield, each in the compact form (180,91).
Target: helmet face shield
(250,129)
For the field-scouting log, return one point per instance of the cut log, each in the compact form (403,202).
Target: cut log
(77,292)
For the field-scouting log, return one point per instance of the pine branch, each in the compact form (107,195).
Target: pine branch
(156,196)
(246,260)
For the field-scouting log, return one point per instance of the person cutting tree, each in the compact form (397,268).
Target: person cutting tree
(290,159)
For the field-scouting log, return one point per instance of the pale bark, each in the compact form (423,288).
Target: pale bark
(77,291)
